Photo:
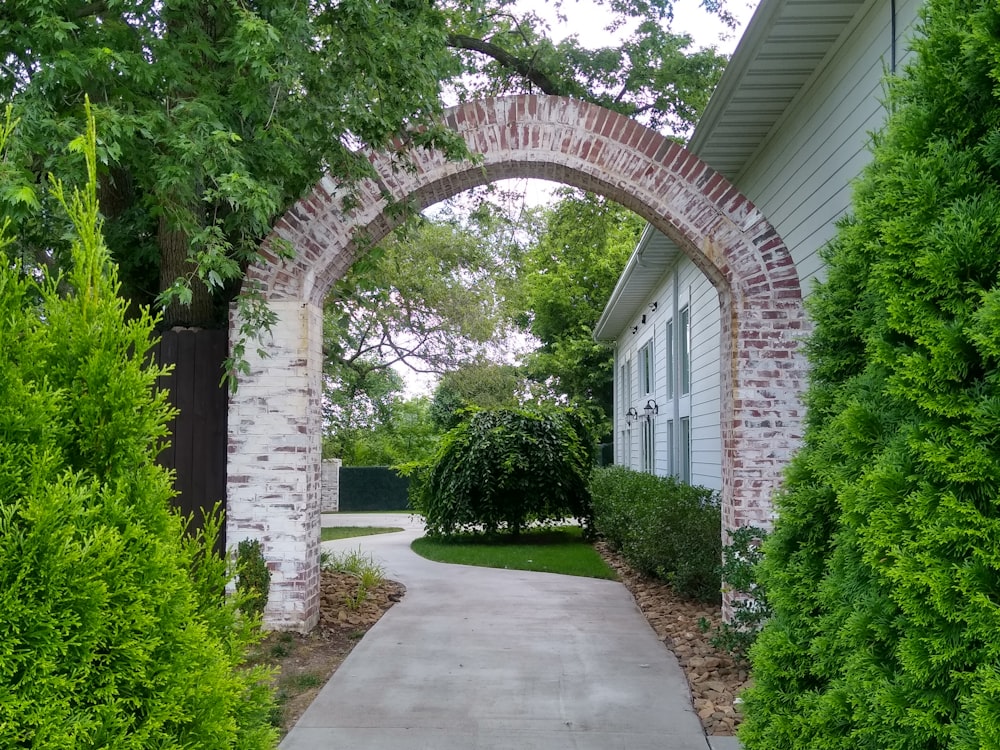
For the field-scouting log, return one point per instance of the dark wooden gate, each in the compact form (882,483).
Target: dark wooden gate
(199,435)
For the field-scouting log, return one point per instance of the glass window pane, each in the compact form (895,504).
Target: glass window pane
(685,350)
(669,356)
(685,450)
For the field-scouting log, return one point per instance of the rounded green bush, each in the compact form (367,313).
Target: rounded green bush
(501,469)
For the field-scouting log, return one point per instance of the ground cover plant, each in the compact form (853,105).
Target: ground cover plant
(662,527)
(501,469)
(883,569)
(113,629)
(549,550)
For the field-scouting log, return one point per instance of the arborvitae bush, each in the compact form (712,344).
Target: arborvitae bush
(884,566)
(113,630)
(662,526)
(501,469)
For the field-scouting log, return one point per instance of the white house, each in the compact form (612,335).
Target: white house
(789,126)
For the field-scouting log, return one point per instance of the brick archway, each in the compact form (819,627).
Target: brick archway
(275,422)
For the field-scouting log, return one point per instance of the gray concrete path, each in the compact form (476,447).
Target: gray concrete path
(478,658)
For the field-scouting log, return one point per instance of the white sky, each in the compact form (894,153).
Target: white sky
(586,20)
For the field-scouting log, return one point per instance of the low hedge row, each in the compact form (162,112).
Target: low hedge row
(663,527)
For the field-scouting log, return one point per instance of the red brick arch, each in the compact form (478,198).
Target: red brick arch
(557,139)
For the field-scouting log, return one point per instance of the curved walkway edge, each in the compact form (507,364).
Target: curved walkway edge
(478,658)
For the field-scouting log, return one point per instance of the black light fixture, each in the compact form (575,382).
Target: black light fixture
(651,408)
(644,318)
(653,306)
(631,415)
(635,329)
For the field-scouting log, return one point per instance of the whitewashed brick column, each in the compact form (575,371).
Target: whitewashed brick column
(331,485)
(274,462)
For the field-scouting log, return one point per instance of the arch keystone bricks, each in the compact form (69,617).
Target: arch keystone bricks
(275,416)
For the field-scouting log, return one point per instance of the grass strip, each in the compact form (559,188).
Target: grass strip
(560,550)
(329,533)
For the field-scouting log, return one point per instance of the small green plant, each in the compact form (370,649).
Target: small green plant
(253,581)
(355,562)
(354,601)
(750,607)
(306,680)
(360,565)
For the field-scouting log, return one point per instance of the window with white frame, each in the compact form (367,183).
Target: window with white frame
(646,370)
(684,450)
(671,458)
(668,351)
(677,404)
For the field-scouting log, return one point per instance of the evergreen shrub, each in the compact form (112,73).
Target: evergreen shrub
(883,569)
(253,579)
(741,560)
(662,526)
(501,469)
(113,629)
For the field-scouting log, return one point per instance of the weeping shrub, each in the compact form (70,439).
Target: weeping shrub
(113,633)
(883,569)
(501,469)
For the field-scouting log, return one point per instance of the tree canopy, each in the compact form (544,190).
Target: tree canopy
(214,117)
(566,281)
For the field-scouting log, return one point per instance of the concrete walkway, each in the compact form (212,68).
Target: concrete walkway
(477,658)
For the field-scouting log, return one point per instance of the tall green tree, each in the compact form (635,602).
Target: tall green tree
(884,566)
(567,279)
(482,385)
(214,118)
(405,434)
(428,298)
(654,73)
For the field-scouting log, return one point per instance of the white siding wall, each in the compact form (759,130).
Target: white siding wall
(801,176)
(685,285)
(801,179)
(706,328)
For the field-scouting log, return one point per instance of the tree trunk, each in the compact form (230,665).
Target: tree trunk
(174,264)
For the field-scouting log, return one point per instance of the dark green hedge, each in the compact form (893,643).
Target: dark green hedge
(662,526)
(884,566)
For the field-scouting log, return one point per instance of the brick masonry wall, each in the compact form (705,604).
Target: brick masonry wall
(331,485)
(562,140)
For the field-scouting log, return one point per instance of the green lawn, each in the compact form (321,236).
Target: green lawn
(346,532)
(560,550)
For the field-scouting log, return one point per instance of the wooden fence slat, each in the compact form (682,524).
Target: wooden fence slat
(197,453)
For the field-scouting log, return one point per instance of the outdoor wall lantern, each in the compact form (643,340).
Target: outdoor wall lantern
(651,408)
(635,329)
(631,415)
(653,306)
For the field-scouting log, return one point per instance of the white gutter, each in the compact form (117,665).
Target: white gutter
(633,265)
